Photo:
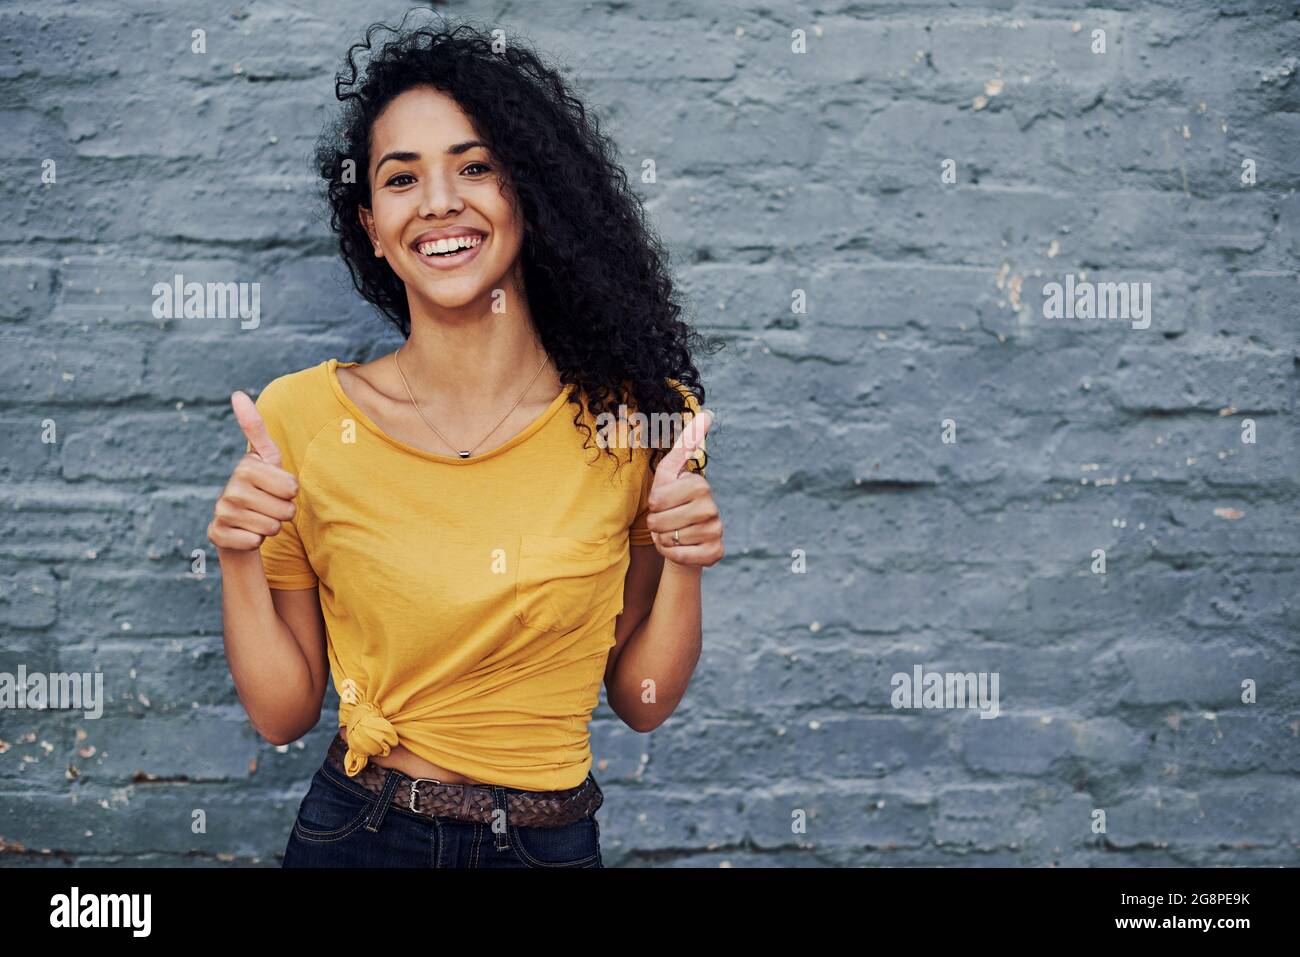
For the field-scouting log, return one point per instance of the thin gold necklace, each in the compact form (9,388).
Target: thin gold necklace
(466,453)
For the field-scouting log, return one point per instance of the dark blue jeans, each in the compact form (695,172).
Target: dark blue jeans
(341,824)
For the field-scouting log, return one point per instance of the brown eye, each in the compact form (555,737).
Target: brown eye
(393,181)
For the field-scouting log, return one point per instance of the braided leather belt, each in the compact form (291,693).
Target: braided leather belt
(473,802)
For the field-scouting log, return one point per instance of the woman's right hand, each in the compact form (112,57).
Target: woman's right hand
(259,495)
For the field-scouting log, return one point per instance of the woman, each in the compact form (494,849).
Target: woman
(467,562)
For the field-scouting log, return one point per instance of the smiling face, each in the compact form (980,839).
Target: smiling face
(440,212)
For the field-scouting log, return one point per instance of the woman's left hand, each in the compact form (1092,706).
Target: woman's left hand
(683,518)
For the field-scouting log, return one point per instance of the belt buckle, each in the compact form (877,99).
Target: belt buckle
(414,782)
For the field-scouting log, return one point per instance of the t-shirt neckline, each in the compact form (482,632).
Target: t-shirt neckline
(331,373)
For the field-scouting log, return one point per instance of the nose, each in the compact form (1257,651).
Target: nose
(439,197)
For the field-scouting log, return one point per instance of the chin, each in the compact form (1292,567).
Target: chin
(455,295)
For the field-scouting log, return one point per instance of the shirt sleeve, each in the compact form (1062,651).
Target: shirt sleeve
(639,532)
(284,559)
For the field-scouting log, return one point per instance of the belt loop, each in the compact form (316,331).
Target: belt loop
(500,802)
(391,779)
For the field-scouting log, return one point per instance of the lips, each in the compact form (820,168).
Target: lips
(451,232)
(450,260)
(447,247)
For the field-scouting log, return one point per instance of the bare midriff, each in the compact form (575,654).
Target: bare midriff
(416,767)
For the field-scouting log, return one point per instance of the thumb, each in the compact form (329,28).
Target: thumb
(692,437)
(254,429)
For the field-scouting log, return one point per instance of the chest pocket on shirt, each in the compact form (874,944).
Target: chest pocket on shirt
(559,580)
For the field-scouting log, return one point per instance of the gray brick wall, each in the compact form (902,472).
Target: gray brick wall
(820,172)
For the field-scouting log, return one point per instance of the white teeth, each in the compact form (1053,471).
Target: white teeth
(448,245)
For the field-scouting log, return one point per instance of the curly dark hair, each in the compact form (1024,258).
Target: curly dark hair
(595,273)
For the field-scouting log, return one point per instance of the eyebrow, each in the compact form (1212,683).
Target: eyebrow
(408,156)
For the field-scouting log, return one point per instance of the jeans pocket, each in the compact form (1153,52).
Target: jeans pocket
(570,845)
(330,812)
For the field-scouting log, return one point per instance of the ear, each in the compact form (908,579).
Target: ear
(368,224)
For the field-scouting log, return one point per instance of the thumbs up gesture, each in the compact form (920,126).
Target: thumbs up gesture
(683,518)
(259,496)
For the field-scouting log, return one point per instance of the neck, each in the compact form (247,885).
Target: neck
(467,365)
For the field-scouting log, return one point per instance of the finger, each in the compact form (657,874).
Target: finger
(271,479)
(671,465)
(687,487)
(683,516)
(278,507)
(254,429)
(251,521)
(237,538)
(697,533)
(704,555)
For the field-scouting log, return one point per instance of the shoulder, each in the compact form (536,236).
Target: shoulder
(296,405)
(375,376)
(699,459)
(692,401)
(295,385)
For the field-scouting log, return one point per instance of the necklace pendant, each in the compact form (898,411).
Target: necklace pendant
(464,455)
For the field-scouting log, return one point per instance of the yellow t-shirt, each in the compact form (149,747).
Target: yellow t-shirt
(469,603)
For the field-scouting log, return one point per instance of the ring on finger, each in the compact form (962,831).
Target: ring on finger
(676,538)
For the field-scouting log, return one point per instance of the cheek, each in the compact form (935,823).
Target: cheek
(388,224)
(390,215)
(509,235)
(508,244)
(506,213)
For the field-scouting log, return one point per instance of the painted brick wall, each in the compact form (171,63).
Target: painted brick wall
(917,465)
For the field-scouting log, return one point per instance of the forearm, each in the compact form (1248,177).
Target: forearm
(271,674)
(655,666)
